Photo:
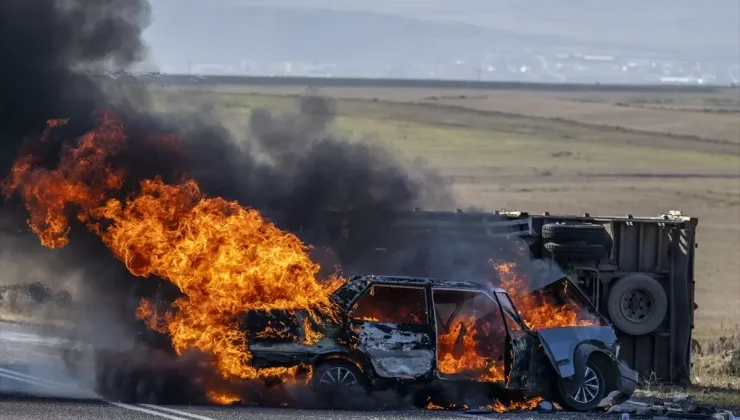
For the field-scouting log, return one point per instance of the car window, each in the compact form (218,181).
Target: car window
(394,304)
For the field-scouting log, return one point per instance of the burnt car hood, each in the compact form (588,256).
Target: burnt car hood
(560,344)
(548,275)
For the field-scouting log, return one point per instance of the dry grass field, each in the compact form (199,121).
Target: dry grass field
(606,153)
(709,116)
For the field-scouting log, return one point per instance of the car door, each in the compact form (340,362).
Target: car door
(390,324)
(521,347)
(471,336)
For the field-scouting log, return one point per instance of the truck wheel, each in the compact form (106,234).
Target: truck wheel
(637,304)
(591,391)
(586,233)
(336,375)
(578,252)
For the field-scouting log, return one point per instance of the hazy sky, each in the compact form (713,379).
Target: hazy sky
(201,30)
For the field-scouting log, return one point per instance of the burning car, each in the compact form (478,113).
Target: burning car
(405,332)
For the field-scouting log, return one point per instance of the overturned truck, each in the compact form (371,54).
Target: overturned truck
(636,271)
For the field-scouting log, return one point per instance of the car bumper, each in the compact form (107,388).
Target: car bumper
(627,381)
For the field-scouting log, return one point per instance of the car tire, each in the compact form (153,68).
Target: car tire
(335,376)
(586,233)
(591,392)
(637,304)
(576,252)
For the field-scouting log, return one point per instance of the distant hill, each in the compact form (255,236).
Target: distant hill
(408,31)
(221,32)
(687,26)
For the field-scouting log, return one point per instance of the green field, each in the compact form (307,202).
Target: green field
(605,153)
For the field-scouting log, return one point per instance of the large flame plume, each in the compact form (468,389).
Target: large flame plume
(225,258)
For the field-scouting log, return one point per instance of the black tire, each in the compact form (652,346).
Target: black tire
(586,398)
(578,252)
(584,233)
(336,369)
(637,304)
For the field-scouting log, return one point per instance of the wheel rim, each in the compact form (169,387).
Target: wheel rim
(636,305)
(338,376)
(590,388)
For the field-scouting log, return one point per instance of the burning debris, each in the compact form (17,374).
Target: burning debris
(496,407)
(526,405)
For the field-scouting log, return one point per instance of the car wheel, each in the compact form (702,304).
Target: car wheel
(637,304)
(591,391)
(338,374)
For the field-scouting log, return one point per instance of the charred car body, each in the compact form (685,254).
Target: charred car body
(417,333)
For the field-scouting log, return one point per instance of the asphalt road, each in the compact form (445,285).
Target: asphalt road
(27,409)
(38,380)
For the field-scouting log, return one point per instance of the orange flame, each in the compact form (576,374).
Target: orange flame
(456,356)
(539,310)
(82,178)
(529,404)
(432,406)
(222,398)
(225,258)
(311,336)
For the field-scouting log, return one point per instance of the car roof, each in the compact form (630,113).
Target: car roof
(425,281)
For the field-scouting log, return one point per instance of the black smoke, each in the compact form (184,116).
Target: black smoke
(338,195)
(47,48)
